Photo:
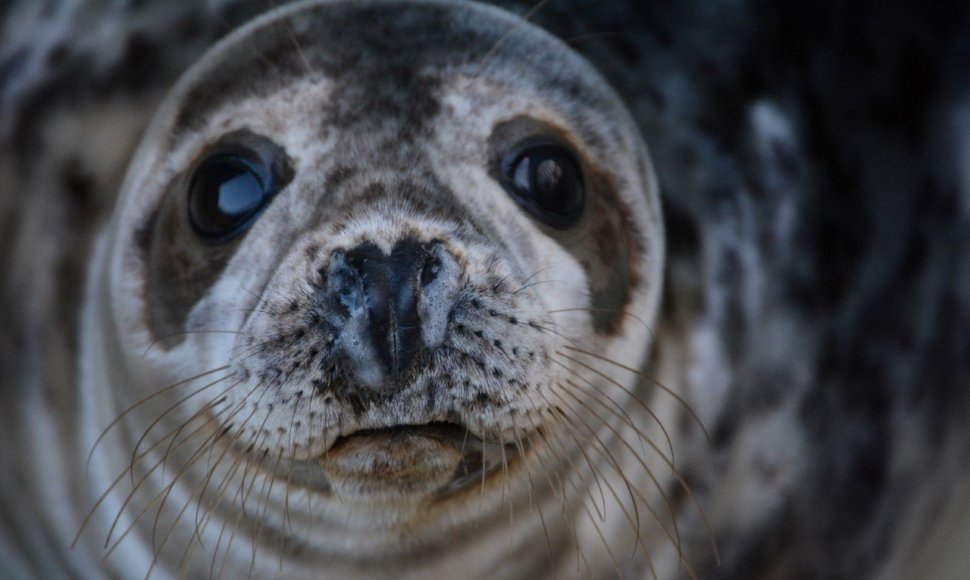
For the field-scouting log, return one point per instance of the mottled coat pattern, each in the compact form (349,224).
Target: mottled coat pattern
(816,314)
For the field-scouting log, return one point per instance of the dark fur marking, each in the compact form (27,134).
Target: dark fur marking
(180,266)
(374,54)
(12,65)
(354,191)
(605,241)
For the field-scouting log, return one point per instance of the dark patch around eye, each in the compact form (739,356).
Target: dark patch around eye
(181,263)
(602,238)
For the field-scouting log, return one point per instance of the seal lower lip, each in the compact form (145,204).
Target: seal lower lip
(439,431)
(435,459)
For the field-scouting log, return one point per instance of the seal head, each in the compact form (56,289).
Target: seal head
(364,245)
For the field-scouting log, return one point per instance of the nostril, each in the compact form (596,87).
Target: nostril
(431,270)
(440,279)
(344,283)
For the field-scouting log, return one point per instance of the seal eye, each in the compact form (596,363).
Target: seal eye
(225,194)
(546,180)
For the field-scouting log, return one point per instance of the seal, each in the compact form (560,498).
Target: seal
(350,316)
(380,296)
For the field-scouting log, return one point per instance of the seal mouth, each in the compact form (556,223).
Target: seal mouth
(432,460)
(443,431)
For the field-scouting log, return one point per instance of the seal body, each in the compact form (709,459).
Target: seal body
(379,296)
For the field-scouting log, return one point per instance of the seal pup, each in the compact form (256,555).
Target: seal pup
(348,317)
(815,303)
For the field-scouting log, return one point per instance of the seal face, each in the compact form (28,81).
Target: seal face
(363,251)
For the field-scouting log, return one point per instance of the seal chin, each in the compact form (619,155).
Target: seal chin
(413,462)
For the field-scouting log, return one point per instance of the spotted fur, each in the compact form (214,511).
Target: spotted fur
(815,308)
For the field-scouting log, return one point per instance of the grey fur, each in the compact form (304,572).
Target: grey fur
(817,214)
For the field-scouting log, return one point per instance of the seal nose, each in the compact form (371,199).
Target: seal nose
(397,304)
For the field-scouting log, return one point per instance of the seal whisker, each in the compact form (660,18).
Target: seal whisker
(210,472)
(540,328)
(184,332)
(287,520)
(141,401)
(164,460)
(215,402)
(113,484)
(196,538)
(286,496)
(581,560)
(683,483)
(589,462)
(621,439)
(157,464)
(635,397)
(174,406)
(262,500)
(188,502)
(527,282)
(260,432)
(532,501)
(261,298)
(634,518)
(520,449)
(237,462)
(515,26)
(159,497)
(245,461)
(622,313)
(605,543)
(533,285)
(654,381)
(220,495)
(633,521)
(677,475)
(547,447)
(206,445)
(603,450)
(312,438)
(253,348)
(481,492)
(621,414)
(625,415)
(600,515)
(507,493)
(238,406)
(296,45)
(565,514)
(628,421)
(243,499)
